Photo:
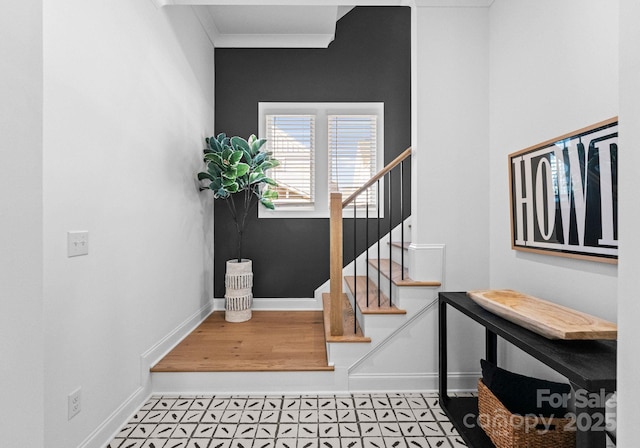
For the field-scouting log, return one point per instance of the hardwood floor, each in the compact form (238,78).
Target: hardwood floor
(269,341)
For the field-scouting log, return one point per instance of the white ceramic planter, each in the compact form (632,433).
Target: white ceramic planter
(238,295)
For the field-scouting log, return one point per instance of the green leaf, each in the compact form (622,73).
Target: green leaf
(268,164)
(215,184)
(204,175)
(214,169)
(257,144)
(227,182)
(235,157)
(230,173)
(267,203)
(270,194)
(257,160)
(247,156)
(255,178)
(242,169)
(222,193)
(214,144)
(233,188)
(239,144)
(213,157)
(226,155)
(270,181)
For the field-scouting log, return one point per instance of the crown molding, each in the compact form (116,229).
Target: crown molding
(273,40)
(161,3)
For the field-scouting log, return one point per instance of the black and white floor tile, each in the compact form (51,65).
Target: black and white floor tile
(409,420)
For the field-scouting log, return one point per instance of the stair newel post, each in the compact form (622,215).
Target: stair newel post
(402,220)
(378,207)
(335,279)
(390,246)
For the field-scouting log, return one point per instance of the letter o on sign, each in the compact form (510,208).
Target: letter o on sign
(550,205)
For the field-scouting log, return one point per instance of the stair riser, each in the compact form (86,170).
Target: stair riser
(249,382)
(397,253)
(343,354)
(380,326)
(399,294)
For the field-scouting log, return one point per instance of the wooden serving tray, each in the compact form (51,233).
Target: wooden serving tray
(542,317)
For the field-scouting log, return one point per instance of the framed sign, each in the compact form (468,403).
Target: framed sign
(564,195)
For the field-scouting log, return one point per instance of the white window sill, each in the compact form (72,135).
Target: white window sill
(306,213)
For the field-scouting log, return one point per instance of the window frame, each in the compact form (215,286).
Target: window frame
(322,111)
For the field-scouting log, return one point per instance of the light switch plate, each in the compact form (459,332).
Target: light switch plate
(77,243)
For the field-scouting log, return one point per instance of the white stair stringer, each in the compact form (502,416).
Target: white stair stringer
(385,329)
(407,360)
(382,328)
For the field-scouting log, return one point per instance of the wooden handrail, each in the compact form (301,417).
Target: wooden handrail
(395,162)
(335,244)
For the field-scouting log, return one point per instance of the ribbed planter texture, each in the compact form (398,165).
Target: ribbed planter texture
(238,295)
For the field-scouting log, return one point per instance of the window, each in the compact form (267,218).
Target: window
(322,147)
(292,140)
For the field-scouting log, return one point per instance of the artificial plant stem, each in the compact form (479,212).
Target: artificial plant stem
(241,222)
(234,213)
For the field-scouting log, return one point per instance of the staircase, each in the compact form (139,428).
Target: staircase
(376,329)
(380,324)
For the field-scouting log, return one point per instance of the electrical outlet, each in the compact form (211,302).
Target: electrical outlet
(77,243)
(74,400)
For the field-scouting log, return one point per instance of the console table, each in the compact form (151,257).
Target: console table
(588,365)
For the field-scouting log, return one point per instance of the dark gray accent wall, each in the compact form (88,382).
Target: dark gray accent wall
(369,60)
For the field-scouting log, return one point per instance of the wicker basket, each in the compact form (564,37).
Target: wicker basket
(507,430)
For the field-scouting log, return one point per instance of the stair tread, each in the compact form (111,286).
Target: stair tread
(387,265)
(361,293)
(404,245)
(347,322)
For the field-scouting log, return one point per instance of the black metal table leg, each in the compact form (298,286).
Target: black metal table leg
(590,418)
(442,349)
(491,346)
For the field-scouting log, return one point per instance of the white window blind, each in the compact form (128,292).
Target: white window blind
(291,138)
(322,147)
(353,155)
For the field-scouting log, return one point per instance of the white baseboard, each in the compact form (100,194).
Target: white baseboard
(104,433)
(245,383)
(423,382)
(156,352)
(277,304)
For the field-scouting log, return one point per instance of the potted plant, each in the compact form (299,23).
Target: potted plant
(236,168)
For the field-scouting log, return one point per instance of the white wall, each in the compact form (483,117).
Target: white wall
(21,335)
(554,69)
(629,280)
(450,162)
(128,98)
(450,166)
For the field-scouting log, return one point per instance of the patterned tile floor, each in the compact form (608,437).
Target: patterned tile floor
(410,420)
